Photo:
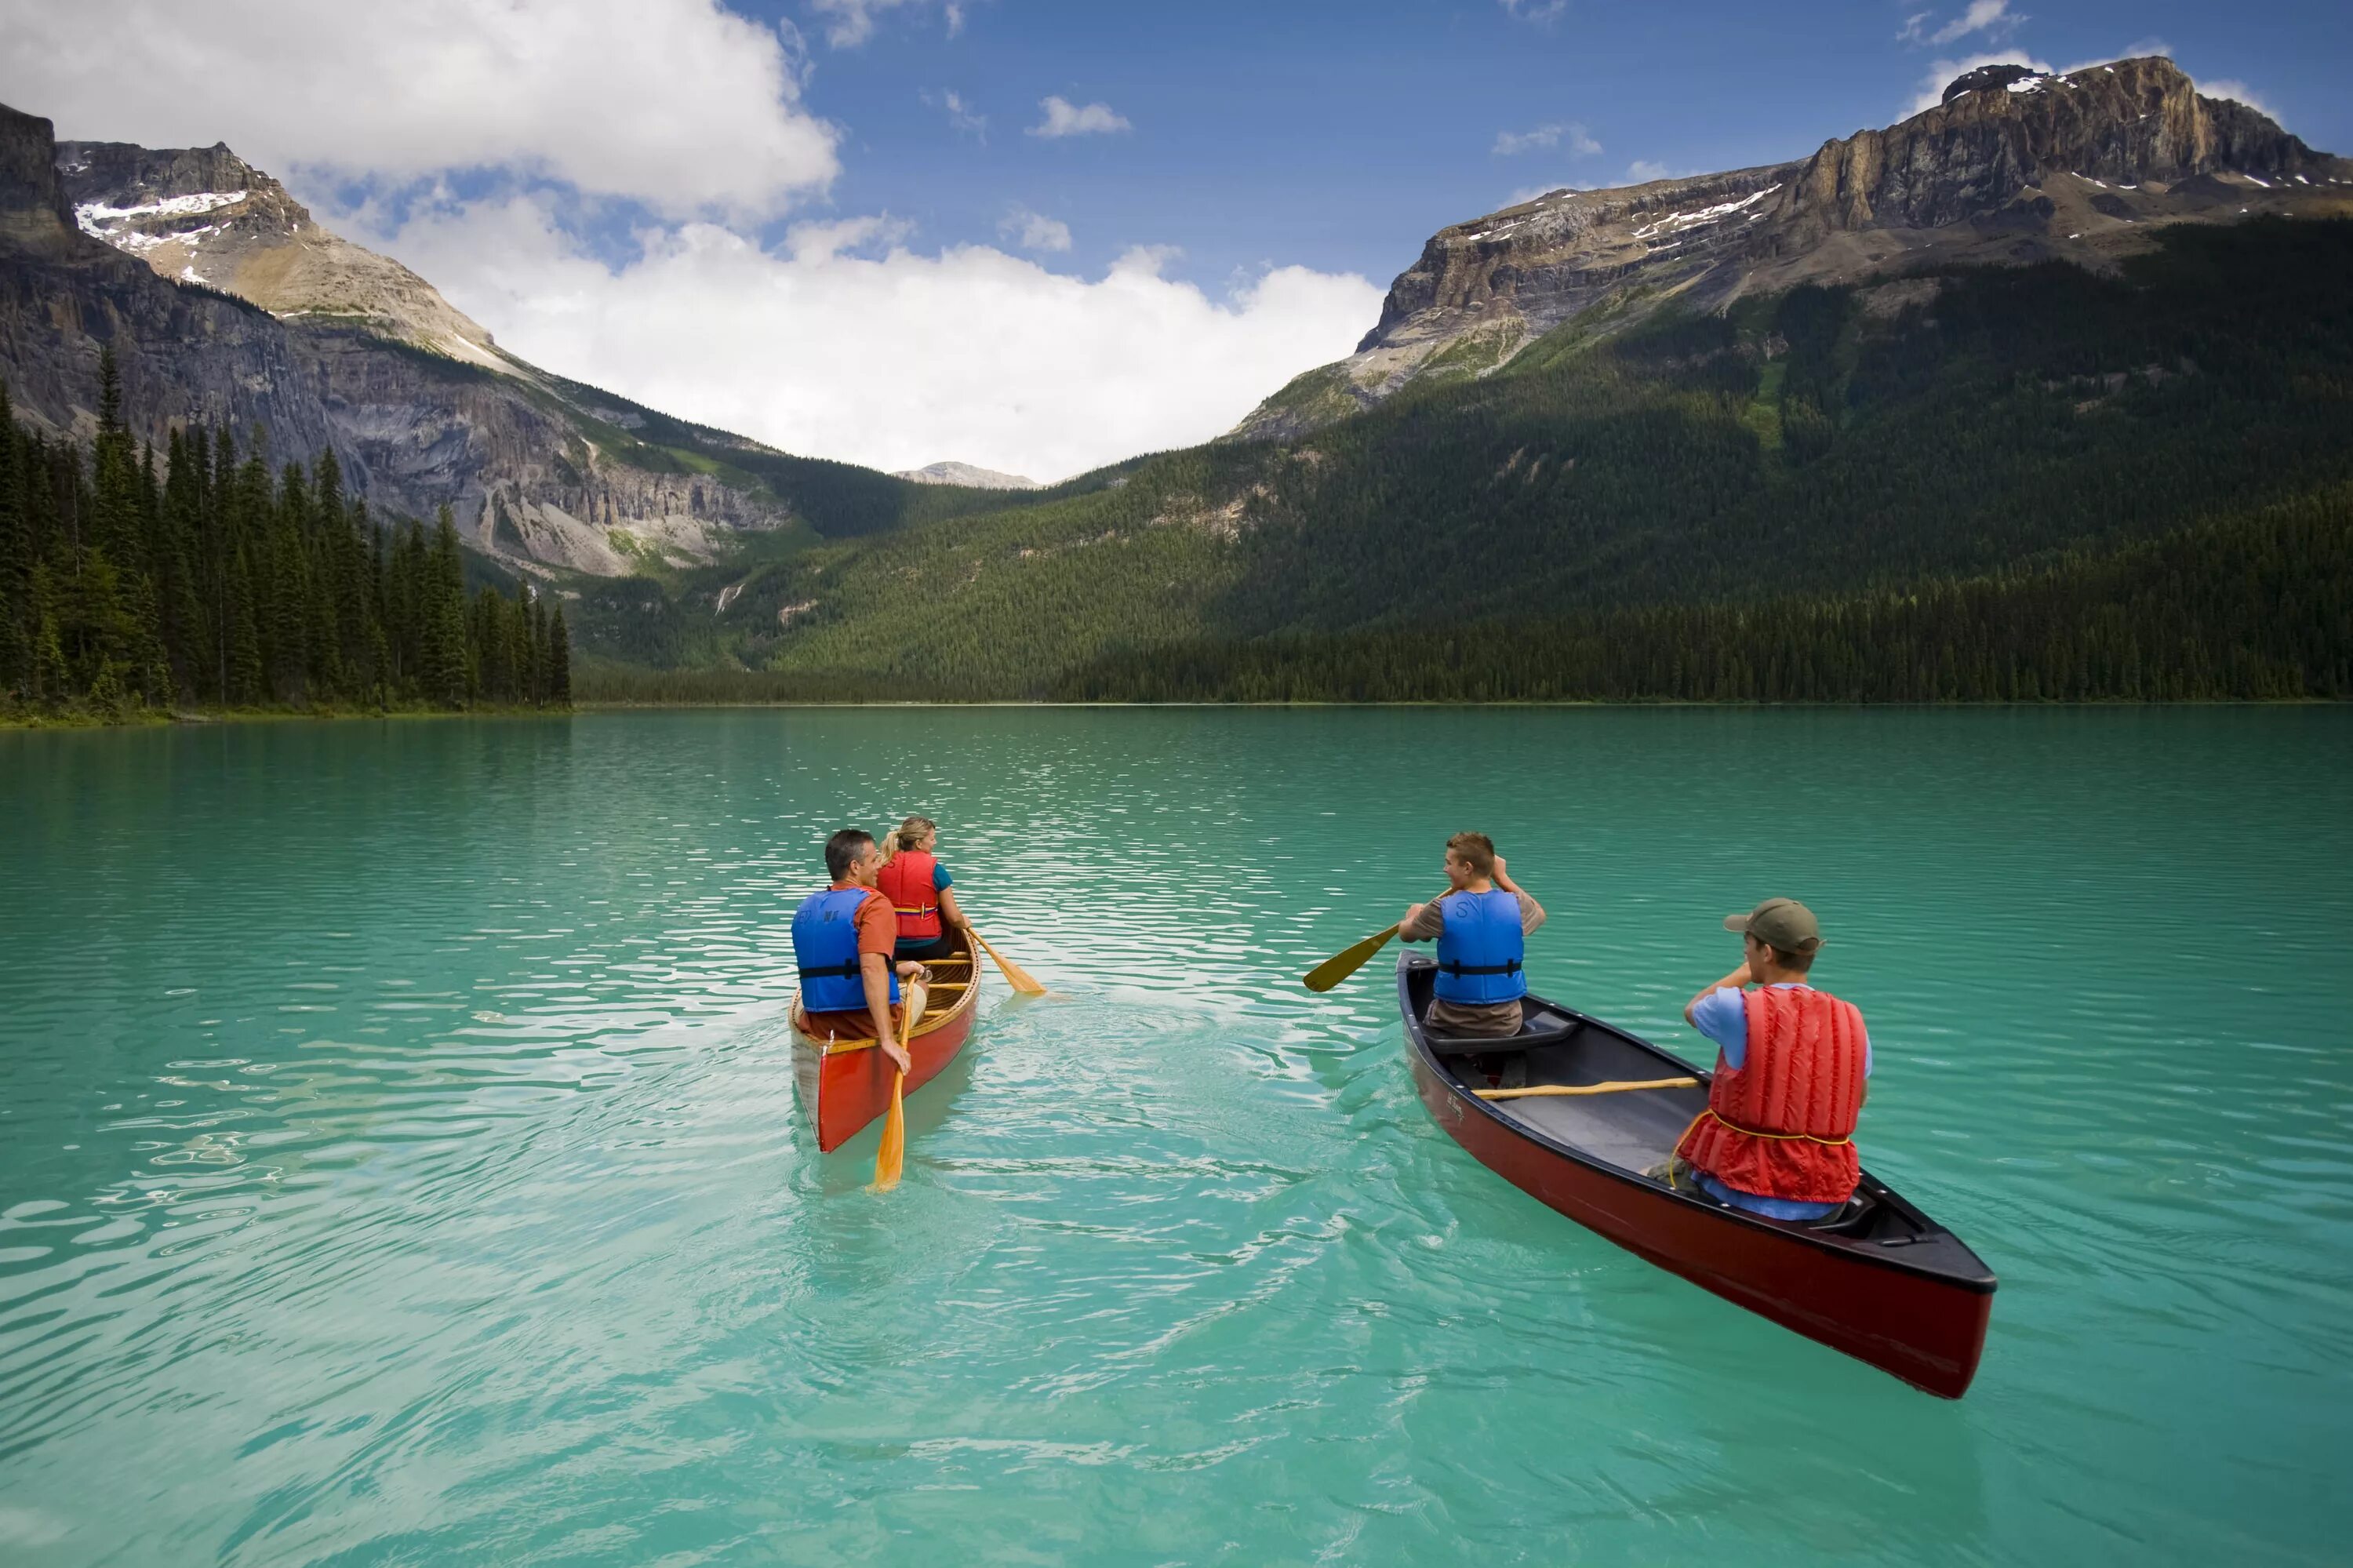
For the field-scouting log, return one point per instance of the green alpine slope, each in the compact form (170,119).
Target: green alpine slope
(1813,457)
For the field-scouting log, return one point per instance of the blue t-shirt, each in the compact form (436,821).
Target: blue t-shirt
(1722,1016)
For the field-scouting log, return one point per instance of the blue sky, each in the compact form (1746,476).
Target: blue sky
(833,224)
(1340,135)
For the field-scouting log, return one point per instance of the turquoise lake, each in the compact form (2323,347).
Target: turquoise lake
(399,1160)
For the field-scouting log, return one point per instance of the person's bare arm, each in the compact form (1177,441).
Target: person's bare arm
(1532,913)
(950,915)
(1737,979)
(1421,922)
(875,970)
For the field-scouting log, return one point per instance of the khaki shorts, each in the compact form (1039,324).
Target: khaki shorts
(1488,1020)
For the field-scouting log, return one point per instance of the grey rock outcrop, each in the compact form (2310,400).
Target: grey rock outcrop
(227,303)
(2014,166)
(186,355)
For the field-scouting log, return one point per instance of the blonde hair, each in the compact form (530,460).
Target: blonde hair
(911,832)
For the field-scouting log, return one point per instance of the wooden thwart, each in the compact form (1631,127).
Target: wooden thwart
(1612,1088)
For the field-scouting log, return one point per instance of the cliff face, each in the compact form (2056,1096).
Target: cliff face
(203,215)
(2014,166)
(186,357)
(229,305)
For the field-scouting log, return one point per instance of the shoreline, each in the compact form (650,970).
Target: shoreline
(193,718)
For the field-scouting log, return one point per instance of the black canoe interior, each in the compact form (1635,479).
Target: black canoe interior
(1634,1131)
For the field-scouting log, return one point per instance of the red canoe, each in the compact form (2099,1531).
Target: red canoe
(1879,1280)
(846,1083)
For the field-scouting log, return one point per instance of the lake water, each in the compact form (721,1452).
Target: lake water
(399,1160)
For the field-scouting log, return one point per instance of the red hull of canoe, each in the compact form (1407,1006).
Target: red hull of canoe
(842,1093)
(1928,1334)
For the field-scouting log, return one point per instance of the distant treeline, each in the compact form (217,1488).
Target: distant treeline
(2253,609)
(2259,609)
(209,583)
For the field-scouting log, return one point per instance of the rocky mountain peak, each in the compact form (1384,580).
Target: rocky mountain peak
(1990,78)
(2014,166)
(203,215)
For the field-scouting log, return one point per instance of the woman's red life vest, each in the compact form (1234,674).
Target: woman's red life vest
(1782,1124)
(907,883)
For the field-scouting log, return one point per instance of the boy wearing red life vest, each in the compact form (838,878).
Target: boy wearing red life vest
(844,939)
(1777,1136)
(1482,924)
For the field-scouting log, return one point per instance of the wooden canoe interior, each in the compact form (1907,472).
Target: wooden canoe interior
(1633,1131)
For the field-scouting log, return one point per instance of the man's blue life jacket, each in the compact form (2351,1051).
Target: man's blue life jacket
(1479,952)
(825,945)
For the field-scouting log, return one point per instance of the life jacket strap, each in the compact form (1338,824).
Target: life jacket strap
(834,972)
(1451,968)
(919,911)
(1709,1115)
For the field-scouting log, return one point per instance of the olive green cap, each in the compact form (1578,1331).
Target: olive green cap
(1782,923)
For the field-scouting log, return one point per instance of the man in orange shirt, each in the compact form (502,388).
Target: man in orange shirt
(844,941)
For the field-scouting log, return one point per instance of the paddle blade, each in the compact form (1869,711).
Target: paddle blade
(1340,966)
(892,1154)
(1015,975)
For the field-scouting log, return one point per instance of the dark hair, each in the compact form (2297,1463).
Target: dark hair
(844,847)
(1476,850)
(1795,963)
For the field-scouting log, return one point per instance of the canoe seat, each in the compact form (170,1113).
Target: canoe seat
(1538,1027)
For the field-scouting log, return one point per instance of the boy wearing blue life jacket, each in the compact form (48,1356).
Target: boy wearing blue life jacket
(1482,927)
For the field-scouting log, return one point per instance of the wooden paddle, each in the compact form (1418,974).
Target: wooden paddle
(890,1155)
(1015,975)
(1612,1088)
(1340,966)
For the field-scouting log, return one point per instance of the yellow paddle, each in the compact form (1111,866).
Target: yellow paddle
(892,1153)
(1015,975)
(1340,966)
(1612,1088)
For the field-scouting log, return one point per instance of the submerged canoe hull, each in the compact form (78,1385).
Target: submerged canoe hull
(1901,1293)
(844,1085)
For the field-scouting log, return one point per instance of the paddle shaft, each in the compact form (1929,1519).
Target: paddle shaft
(1015,975)
(1609,1088)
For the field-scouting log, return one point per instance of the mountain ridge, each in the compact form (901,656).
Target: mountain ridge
(230,306)
(2011,169)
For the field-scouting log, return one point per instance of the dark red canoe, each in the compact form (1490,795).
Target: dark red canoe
(1879,1280)
(845,1083)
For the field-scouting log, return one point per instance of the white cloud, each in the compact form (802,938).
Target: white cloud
(1992,17)
(1034,231)
(895,359)
(1641,171)
(1940,75)
(679,104)
(960,115)
(1509,144)
(1064,119)
(1529,193)
(2239,92)
(1536,10)
(853,20)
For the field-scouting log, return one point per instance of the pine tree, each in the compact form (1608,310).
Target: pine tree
(559,662)
(444,666)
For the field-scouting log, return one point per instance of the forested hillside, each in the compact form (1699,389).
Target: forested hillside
(130,580)
(1981,484)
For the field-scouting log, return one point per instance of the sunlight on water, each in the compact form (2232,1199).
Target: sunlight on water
(399,1159)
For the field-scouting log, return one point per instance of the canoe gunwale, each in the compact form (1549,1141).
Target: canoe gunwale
(1823,1235)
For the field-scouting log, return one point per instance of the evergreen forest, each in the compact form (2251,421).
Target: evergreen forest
(135,581)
